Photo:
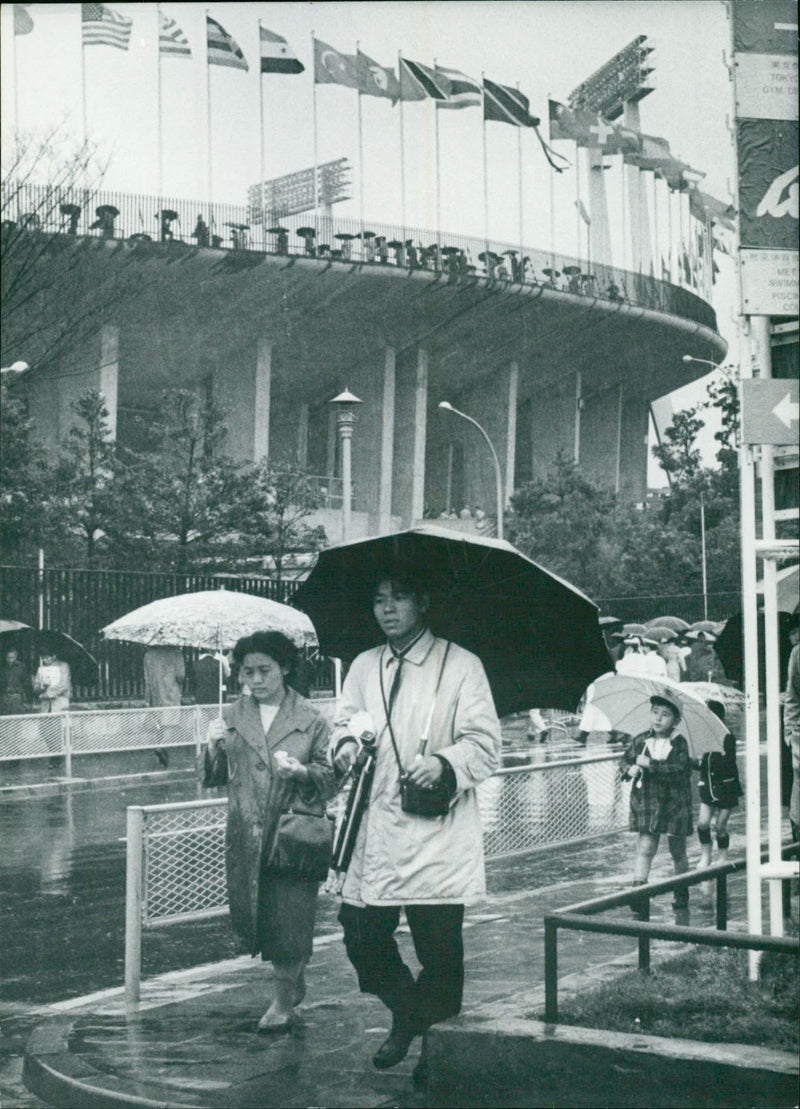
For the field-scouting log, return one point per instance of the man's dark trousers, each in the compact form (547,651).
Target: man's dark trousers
(372,949)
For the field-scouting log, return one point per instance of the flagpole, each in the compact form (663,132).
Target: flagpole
(16,70)
(160,136)
(577,201)
(208,135)
(485,174)
(314,116)
(520,192)
(624,216)
(261,158)
(438,174)
(655,225)
(360,161)
(402,149)
(552,204)
(83,93)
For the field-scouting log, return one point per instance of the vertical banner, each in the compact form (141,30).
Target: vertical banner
(765,84)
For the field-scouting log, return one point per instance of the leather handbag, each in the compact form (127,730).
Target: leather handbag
(303,844)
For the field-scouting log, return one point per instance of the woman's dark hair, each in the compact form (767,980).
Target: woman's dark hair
(275,644)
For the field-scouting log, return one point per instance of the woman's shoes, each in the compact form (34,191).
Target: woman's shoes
(273,1024)
(395,1047)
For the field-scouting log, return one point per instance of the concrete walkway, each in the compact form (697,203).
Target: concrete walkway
(192,1041)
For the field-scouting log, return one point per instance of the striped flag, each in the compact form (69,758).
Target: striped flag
(462,91)
(23,24)
(171,39)
(418,82)
(104,27)
(276,55)
(222,47)
(507,105)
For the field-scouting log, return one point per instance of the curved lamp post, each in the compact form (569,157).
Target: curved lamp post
(15,370)
(498,478)
(346,416)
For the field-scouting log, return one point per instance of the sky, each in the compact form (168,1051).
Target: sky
(545,46)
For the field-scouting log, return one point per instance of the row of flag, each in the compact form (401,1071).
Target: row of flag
(413,81)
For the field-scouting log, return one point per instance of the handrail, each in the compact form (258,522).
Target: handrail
(575,918)
(236,229)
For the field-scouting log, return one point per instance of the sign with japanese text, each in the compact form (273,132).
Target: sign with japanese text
(769,280)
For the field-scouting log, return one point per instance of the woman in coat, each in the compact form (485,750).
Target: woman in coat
(270,750)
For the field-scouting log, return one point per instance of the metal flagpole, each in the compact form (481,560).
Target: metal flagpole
(160,134)
(485,174)
(519,197)
(16,70)
(314,115)
(438,175)
(577,201)
(83,94)
(670,242)
(261,159)
(552,212)
(402,149)
(360,162)
(208,132)
(624,217)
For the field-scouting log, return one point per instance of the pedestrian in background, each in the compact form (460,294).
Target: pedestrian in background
(660,769)
(164,675)
(270,749)
(52,683)
(719,789)
(413,687)
(16,691)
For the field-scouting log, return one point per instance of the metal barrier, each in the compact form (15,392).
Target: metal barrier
(176,855)
(107,731)
(582,918)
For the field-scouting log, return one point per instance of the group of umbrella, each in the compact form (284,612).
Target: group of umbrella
(540,639)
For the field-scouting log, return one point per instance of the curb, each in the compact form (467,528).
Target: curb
(479,1064)
(76,785)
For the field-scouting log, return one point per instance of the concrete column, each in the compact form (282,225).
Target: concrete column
(600,436)
(599,236)
(637,201)
(493,403)
(552,425)
(302,436)
(261,400)
(387,443)
(108,376)
(420,435)
(410,433)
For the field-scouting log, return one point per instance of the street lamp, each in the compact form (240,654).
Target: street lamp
(346,416)
(705,361)
(15,370)
(498,479)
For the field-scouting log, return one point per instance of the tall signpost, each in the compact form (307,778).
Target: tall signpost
(765,91)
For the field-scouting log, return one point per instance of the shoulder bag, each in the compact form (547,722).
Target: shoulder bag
(415,799)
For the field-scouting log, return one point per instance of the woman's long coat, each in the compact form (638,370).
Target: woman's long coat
(400,858)
(257,796)
(662,804)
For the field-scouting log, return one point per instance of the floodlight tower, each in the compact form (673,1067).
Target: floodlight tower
(615,90)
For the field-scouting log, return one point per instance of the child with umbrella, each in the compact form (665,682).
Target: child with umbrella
(659,766)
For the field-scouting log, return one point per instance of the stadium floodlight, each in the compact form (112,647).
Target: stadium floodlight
(625,77)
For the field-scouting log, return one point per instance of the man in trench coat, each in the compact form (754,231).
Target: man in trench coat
(430,866)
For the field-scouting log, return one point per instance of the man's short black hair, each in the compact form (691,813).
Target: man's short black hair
(404,576)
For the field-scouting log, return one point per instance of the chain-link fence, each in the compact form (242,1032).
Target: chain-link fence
(176,853)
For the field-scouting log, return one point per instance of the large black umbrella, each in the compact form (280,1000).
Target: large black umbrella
(730,647)
(82,664)
(537,636)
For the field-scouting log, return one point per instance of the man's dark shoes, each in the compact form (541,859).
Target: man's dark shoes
(395,1047)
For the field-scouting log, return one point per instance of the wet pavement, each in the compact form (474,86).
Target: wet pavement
(62,886)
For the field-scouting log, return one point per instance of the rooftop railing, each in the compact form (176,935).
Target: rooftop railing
(152,223)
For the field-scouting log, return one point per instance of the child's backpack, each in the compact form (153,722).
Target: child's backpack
(720,778)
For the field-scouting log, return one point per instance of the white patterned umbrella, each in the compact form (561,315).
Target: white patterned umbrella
(213,619)
(625,702)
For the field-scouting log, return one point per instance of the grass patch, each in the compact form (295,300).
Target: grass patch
(703,994)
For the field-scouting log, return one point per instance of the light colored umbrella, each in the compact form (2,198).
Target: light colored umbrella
(212,619)
(625,702)
(673,622)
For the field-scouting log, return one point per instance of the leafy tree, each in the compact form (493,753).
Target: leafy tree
(561,520)
(181,493)
(677,453)
(25,482)
(279,500)
(85,475)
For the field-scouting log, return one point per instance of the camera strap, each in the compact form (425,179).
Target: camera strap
(388,706)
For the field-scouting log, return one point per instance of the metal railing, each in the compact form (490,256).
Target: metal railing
(176,225)
(176,852)
(581,918)
(107,731)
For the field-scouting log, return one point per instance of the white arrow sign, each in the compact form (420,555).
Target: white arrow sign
(787,411)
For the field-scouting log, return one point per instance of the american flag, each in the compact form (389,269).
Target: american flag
(171,39)
(104,27)
(222,47)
